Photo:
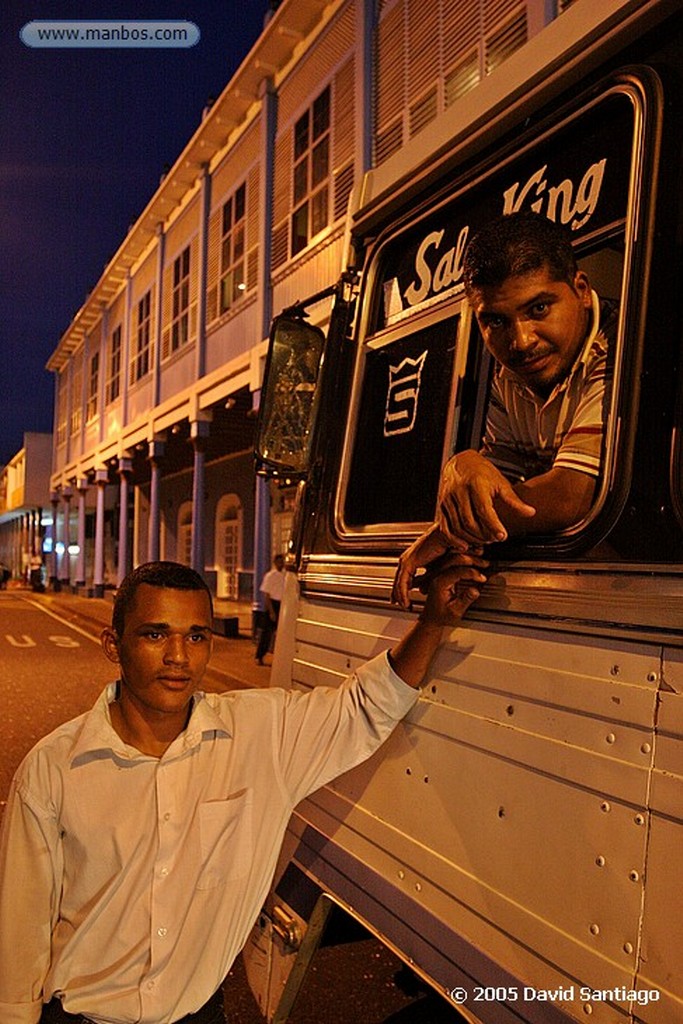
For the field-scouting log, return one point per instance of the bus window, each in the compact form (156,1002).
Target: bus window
(403,421)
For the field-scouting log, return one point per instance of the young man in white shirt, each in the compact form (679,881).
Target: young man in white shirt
(140,839)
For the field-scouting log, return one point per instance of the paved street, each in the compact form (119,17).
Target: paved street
(52,668)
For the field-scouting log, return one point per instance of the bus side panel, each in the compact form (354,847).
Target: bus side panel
(662,939)
(510,810)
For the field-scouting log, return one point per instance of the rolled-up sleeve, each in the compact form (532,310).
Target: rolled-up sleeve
(330,730)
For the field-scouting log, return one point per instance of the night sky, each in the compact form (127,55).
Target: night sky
(84,137)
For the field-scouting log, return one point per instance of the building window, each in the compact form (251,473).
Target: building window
(144,333)
(61,407)
(93,386)
(114,376)
(311,189)
(233,278)
(77,396)
(180,324)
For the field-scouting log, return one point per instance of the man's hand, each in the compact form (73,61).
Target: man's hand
(471,496)
(451,591)
(425,550)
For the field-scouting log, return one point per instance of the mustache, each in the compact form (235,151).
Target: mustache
(517,360)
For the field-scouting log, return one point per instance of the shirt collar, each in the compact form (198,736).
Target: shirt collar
(97,737)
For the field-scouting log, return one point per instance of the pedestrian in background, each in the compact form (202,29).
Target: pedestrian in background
(272,588)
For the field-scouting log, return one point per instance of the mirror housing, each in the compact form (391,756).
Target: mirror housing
(289,398)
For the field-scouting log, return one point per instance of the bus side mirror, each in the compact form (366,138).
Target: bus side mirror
(289,399)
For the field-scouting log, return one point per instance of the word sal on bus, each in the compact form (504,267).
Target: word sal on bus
(570,204)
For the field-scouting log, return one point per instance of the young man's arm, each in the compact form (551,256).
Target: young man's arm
(327,731)
(27,892)
(450,594)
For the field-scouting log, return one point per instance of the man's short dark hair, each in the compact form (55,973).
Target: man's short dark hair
(516,244)
(172,575)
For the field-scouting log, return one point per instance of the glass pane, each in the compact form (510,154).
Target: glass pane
(300,180)
(240,202)
(319,206)
(225,253)
(300,229)
(321,114)
(321,161)
(238,285)
(402,422)
(226,292)
(238,243)
(227,216)
(301,135)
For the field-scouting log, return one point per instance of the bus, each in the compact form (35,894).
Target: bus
(519,839)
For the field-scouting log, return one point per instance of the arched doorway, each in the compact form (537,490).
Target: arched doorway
(228,550)
(184,542)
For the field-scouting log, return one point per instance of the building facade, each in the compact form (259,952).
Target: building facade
(25,515)
(157,379)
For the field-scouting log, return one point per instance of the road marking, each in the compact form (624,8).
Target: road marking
(77,629)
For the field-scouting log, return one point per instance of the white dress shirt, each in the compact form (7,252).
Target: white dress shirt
(129,884)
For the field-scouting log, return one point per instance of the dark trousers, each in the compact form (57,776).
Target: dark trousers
(268,627)
(210,1013)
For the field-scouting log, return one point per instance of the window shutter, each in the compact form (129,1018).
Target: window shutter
(344,114)
(133,345)
(391,89)
(505,40)
(167,312)
(281,200)
(194,282)
(253,185)
(213,265)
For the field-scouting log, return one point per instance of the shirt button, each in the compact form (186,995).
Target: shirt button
(167,816)
(150,984)
(163,872)
(162,932)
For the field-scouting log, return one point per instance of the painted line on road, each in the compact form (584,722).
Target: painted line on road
(65,622)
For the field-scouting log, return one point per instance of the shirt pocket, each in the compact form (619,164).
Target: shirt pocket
(225,839)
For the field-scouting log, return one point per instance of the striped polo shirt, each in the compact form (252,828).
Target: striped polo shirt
(527,435)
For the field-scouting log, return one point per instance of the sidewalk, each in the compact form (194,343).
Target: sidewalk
(232,663)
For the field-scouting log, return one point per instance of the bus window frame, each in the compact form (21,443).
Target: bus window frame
(642,87)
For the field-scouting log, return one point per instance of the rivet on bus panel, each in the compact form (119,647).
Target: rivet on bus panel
(595,929)
(610,738)
(628,947)
(605,806)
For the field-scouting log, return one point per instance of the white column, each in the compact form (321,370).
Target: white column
(156,451)
(65,562)
(53,572)
(101,481)
(82,488)
(199,432)
(124,470)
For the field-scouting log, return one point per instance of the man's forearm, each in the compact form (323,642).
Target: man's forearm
(412,656)
(561,497)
